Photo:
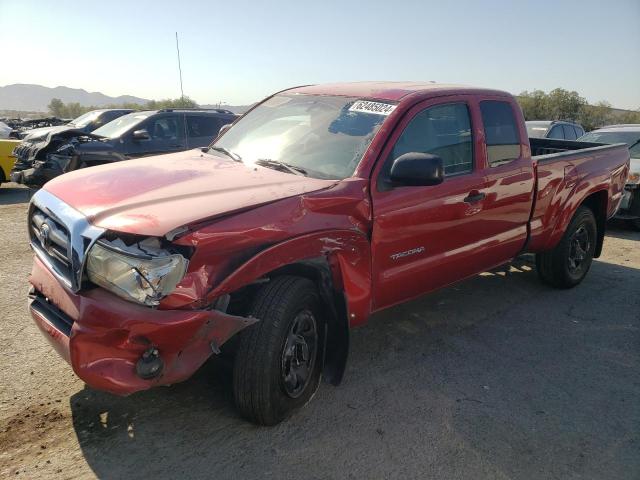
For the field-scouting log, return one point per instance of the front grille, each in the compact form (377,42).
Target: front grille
(60,237)
(53,239)
(23,151)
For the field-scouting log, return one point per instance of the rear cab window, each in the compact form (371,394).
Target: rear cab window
(501,132)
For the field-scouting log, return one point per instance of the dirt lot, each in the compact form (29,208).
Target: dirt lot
(499,377)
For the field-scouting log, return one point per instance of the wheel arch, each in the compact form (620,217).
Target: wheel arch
(339,263)
(597,202)
(336,337)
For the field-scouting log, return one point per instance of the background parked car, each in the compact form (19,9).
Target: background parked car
(630,135)
(5,130)
(558,129)
(134,135)
(38,142)
(6,157)
(20,127)
(87,122)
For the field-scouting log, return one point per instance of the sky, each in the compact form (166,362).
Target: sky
(238,51)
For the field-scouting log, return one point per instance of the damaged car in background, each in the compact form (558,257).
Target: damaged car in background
(48,136)
(20,127)
(136,134)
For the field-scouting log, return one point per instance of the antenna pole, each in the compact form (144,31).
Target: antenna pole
(179,67)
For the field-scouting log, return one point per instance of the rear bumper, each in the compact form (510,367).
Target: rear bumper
(630,204)
(103,336)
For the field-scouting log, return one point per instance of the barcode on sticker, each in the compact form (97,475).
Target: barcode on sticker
(365,106)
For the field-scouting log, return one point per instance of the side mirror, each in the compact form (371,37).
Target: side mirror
(223,129)
(141,135)
(417,169)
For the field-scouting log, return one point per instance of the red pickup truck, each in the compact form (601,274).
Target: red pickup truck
(318,207)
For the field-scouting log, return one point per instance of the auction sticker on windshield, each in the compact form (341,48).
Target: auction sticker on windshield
(366,106)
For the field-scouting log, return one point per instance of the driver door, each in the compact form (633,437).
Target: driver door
(425,237)
(166,135)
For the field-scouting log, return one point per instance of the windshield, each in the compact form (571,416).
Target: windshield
(537,129)
(116,128)
(84,120)
(321,136)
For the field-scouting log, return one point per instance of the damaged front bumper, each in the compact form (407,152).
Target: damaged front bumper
(37,173)
(105,338)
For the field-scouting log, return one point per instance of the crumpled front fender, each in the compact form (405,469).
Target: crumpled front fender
(348,254)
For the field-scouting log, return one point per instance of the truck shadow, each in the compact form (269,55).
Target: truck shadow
(498,376)
(621,229)
(11,194)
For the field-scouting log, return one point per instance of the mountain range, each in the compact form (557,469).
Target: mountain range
(35,98)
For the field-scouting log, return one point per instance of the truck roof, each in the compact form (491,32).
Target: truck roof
(391,91)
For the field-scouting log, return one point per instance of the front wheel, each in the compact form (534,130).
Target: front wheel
(278,363)
(635,224)
(568,263)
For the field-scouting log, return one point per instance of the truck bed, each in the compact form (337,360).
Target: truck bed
(544,148)
(567,172)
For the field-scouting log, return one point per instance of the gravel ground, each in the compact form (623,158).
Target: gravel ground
(498,377)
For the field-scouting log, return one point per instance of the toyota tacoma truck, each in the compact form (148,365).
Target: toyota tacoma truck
(318,207)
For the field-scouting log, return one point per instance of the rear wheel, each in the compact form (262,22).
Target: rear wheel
(278,363)
(568,263)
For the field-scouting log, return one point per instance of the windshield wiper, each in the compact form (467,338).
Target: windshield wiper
(228,153)
(268,162)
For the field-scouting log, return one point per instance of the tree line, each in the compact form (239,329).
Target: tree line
(59,109)
(558,104)
(561,104)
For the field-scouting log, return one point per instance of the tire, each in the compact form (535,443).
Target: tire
(269,381)
(568,263)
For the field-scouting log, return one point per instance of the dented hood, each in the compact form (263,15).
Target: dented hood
(155,195)
(43,133)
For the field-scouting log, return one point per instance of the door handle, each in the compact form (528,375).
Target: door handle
(474,196)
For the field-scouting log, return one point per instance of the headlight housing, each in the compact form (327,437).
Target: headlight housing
(135,273)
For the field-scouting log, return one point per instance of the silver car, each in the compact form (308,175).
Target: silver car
(629,134)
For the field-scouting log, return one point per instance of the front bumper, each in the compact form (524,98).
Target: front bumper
(36,176)
(103,336)
(630,204)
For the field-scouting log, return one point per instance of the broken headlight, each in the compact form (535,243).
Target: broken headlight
(143,272)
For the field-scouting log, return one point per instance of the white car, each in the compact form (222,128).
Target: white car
(629,134)
(5,130)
